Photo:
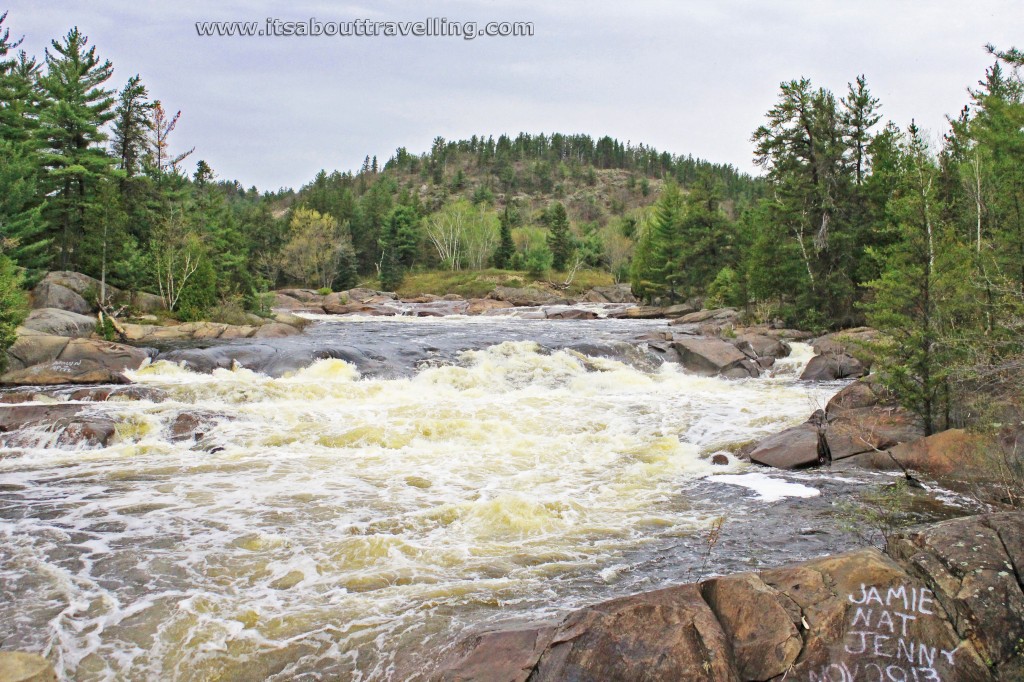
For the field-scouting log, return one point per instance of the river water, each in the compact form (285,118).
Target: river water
(334,525)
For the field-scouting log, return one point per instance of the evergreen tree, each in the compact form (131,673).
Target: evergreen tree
(668,241)
(13,306)
(506,247)
(21,220)
(859,116)
(77,109)
(913,295)
(132,128)
(560,240)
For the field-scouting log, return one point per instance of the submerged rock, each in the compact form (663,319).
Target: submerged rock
(942,602)
(20,666)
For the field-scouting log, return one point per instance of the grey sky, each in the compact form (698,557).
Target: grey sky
(684,76)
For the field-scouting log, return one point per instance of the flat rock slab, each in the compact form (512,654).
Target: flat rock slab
(943,603)
(710,357)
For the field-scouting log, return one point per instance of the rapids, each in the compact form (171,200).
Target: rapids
(333,525)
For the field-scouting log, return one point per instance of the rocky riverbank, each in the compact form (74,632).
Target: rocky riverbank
(943,602)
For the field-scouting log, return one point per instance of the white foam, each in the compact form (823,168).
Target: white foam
(768,488)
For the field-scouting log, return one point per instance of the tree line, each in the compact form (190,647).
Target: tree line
(865,222)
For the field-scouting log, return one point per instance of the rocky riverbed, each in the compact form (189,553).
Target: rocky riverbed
(367,493)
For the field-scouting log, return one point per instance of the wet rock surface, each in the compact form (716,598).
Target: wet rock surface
(943,602)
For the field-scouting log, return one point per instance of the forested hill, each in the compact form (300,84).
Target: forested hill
(603,184)
(95,178)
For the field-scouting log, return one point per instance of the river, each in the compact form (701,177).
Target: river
(347,522)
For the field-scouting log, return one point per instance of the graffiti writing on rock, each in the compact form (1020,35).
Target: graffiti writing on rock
(882,644)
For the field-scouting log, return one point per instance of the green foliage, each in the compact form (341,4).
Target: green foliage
(13,306)
(915,297)
(538,260)
(560,239)
(725,290)
(199,294)
(506,246)
(71,128)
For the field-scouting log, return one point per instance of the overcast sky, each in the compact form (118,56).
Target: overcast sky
(683,76)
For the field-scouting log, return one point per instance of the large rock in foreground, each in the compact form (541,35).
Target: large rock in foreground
(942,603)
(75,361)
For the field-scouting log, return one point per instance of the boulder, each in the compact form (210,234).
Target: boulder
(115,357)
(720,316)
(147,303)
(867,429)
(33,348)
(77,282)
(845,342)
(58,322)
(479,306)
(85,432)
(24,415)
(302,295)
(268,357)
(858,394)
(527,297)
(972,566)
(20,666)
(79,361)
(645,312)
(710,357)
(360,295)
(285,302)
(798,446)
(832,366)
(51,295)
(275,330)
(559,312)
(664,635)
(154,333)
(762,635)
(680,310)
(117,393)
(193,425)
(291,320)
(60,372)
(757,346)
(960,460)
(617,293)
(942,602)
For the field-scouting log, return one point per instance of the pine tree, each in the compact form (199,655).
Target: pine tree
(133,126)
(913,295)
(560,241)
(859,116)
(13,306)
(668,240)
(506,247)
(77,108)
